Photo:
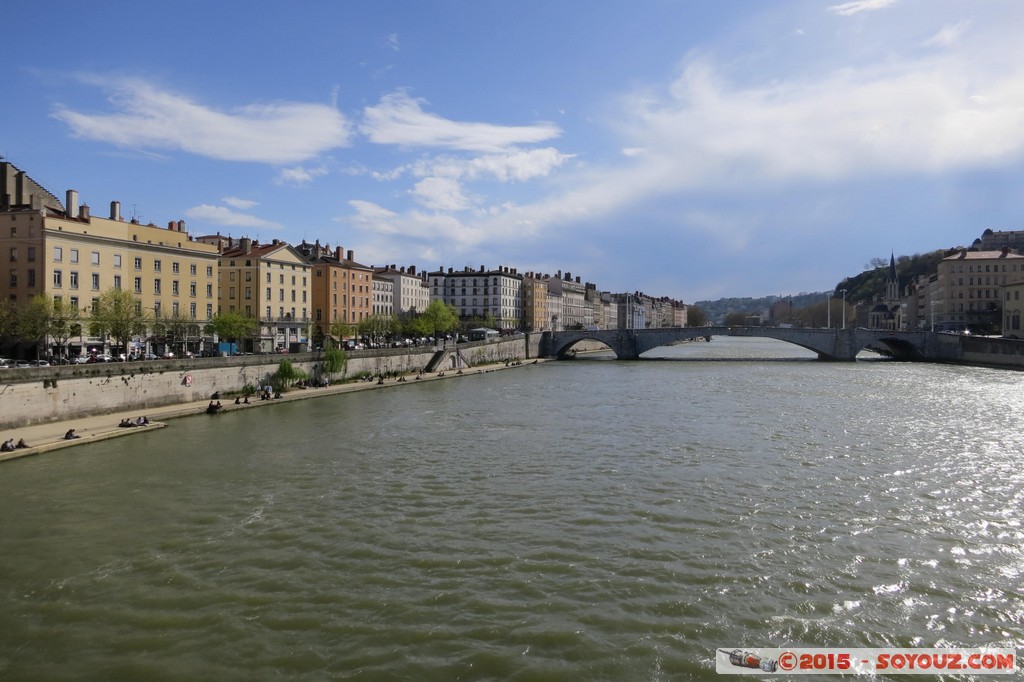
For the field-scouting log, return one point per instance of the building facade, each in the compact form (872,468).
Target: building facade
(65,252)
(969,289)
(271,283)
(479,293)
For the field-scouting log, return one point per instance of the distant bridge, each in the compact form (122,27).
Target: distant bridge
(829,344)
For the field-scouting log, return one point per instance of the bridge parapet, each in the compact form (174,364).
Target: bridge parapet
(829,344)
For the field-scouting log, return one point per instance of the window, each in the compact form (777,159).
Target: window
(58,254)
(117,282)
(156,265)
(31,254)
(14,254)
(31,277)
(138,263)
(174,309)
(174,267)
(73,255)
(248,293)
(209,271)
(117,260)
(95,281)
(73,280)
(268,278)
(209,291)
(231,292)
(268,293)
(74,302)
(231,276)
(192,289)
(174,288)
(156,287)
(57,279)
(192,310)
(156,309)
(14,278)
(95,257)
(209,310)
(138,285)
(248,276)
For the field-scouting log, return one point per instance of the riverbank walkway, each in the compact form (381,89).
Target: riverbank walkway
(49,436)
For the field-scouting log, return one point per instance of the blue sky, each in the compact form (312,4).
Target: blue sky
(688,149)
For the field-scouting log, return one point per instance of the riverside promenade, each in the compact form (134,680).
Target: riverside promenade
(47,437)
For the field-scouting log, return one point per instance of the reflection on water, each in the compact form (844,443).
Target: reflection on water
(574,520)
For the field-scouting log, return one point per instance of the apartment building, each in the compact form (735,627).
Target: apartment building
(478,293)
(535,303)
(411,294)
(969,289)
(342,288)
(574,313)
(269,282)
(62,250)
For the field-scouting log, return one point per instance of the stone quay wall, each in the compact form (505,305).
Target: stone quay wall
(32,396)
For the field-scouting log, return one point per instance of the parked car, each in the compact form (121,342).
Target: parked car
(39,363)
(168,355)
(100,357)
(150,356)
(22,364)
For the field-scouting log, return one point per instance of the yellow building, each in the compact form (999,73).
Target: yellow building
(269,282)
(67,253)
(535,303)
(969,289)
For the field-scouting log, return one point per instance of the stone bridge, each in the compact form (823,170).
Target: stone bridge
(829,344)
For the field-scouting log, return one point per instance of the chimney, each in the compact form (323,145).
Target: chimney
(338,254)
(402,270)
(72,204)
(181,226)
(245,244)
(568,277)
(412,269)
(276,242)
(115,210)
(351,254)
(83,212)
(481,268)
(173,226)
(577,279)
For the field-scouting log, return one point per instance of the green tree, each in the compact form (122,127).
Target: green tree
(341,330)
(436,318)
(116,314)
(33,320)
(696,317)
(179,329)
(65,322)
(287,374)
(231,326)
(335,361)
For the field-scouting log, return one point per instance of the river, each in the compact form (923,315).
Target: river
(579,520)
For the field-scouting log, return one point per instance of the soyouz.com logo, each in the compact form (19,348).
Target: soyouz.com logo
(770,661)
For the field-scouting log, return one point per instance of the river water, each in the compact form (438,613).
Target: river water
(585,520)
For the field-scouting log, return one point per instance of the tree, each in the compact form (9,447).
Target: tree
(335,361)
(437,317)
(340,329)
(33,320)
(115,314)
(736,319)
(231,325)
(287,374)
(696,317)
(65,322)
(179,328)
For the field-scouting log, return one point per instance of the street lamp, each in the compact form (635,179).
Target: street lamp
(843,292)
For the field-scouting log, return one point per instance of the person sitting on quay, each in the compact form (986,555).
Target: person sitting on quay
(246,401)
(8,446)
(71,435)
(142,421)
(126,422)
(238,401)
(21,444)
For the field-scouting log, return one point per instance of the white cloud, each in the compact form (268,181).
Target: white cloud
(147,117)
(242,204)
(857,6)
(221,216)
(394,43)
(299,175)
(948,36)
(440,194)
(399,119)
